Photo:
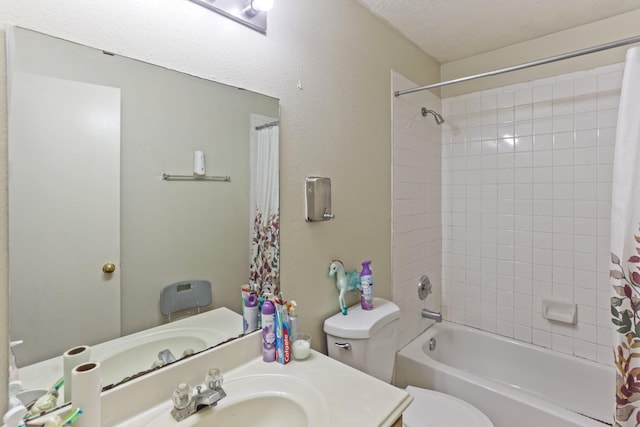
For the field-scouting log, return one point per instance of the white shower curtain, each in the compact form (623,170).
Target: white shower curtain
(625,247)
(265,211)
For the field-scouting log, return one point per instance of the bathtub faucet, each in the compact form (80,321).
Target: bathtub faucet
(433,315)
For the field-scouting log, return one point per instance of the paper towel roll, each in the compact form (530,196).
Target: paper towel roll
(198,163)
(85,393)
(70,359)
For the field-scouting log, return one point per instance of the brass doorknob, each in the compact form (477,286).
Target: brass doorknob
(109,268)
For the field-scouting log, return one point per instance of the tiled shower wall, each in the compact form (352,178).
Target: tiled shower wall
(417,201)
(526,207)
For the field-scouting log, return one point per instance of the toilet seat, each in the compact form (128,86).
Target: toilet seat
(434,409)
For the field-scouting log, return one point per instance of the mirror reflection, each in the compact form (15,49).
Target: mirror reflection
(96,233)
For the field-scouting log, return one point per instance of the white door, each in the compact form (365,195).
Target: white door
(64,214)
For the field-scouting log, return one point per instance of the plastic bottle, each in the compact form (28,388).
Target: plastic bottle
(366,285)
(245,291)
(250,314)
(15,387)
(268,332)
(13,368)
(261,299)
(293,318)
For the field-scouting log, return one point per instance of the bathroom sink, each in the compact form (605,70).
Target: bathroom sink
(268,410)
(139,355)
(254,400)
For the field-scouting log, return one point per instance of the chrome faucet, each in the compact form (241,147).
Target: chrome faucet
(433,315)
(187,402)
(166,356)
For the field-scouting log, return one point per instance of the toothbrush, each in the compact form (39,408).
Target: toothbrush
(71,417)
(58,384)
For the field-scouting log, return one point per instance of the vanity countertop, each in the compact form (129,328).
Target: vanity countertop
(350,397)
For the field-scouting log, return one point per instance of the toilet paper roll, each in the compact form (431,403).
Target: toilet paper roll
(85,393)
(198,163)
(70,359)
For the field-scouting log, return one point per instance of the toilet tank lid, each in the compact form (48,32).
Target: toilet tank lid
(362,324)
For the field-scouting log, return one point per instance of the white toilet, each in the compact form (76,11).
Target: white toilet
(365,340)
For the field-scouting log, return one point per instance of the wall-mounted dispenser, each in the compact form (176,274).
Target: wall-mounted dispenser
(317,194)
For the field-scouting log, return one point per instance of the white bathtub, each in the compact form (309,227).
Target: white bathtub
(513,383)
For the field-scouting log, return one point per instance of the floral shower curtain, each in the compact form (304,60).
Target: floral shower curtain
(265,211)
(625,247)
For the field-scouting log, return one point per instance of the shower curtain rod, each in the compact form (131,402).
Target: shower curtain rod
(542,61)
(268,125)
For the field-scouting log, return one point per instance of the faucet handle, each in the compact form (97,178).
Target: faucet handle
(214,379)
(181,396)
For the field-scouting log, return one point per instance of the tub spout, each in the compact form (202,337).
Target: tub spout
(433,315)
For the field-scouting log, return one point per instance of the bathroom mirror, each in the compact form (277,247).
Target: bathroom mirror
(95,232)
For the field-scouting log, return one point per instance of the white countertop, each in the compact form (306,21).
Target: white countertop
(352,397)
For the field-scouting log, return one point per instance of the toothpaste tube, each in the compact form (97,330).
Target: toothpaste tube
(283,332)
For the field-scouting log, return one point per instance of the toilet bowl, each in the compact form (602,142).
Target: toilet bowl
(366,340)
(434,409)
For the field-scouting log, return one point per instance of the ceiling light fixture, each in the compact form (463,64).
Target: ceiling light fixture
(252,13)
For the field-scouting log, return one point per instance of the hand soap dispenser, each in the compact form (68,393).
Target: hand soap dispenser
(317,197)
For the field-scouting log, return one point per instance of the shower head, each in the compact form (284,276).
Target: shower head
(438,117)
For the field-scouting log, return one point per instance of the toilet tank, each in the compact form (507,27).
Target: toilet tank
(365,339)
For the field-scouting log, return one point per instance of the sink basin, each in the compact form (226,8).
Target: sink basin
(139,354)
(130,354)
(263,411)
(254,400)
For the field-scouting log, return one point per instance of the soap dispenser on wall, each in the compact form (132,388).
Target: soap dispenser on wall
(317,196)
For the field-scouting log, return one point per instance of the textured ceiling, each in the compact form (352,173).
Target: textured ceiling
(453,29)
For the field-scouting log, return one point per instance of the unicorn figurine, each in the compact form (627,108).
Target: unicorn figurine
(344,282)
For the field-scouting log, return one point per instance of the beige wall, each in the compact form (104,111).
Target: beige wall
(337,124)
(4,261)
(608,30)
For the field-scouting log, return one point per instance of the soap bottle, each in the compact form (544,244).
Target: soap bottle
(268,331)
(366,287)
(250,314)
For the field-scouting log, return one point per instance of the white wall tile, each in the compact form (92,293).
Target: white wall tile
(422,204)
(539,200)
(585,86)
(541,338)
